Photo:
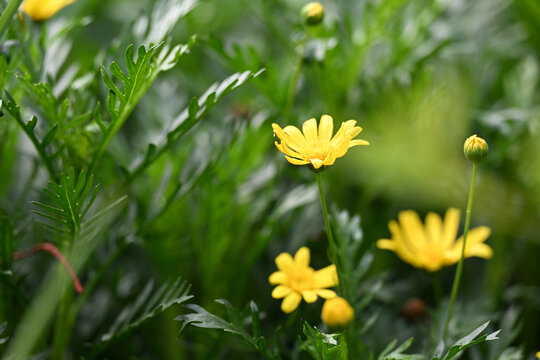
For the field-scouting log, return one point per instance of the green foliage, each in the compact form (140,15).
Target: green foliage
(150,303)
(41,146)
(234,325)
(470,340)
(391,352)
(141,73)
(322,346)
(72,199)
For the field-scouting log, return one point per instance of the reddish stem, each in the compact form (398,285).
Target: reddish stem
(53,250)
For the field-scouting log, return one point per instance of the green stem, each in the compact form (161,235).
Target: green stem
(7,15)
(331,241)
(61,328)
(294,80)
(457,278)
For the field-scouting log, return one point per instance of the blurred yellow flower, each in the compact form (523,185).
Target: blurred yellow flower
(296,280)
(43,9)
(538,354)
(337,312)
(317,148)
(434,245)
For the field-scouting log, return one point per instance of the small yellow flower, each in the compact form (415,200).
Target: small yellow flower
(313,13)
(43,9)
(538,354)
(337,312)
(296,280)
(475,148)
(434,245)
(317,148)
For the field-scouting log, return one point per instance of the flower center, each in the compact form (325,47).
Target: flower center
(301,279)
(316,149)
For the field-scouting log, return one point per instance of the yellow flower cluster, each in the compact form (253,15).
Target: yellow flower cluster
(316,146)
(434,245)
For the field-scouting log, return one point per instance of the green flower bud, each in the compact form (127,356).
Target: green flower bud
(313,13)
(475,148)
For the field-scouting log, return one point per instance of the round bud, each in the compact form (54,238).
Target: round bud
(337,313)
(313,13)
(475,148)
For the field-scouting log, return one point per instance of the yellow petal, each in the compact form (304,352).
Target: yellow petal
(302,256)
(433,227)
(326,277)
(358,142)
(326,127)
(317,163)
(386,244)
(296,161)
(325,293)
(291,302)
(281,291)
(295,135)
(287,150)
(450,227)
(285,262)
(309,128)
(278,277)
(412,230)
(309,296)
(43,9)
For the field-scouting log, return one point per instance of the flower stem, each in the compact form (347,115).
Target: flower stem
(294,79)
(331,241)
(7,14)
(459,269)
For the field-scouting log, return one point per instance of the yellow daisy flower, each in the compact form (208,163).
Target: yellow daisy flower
(317,148)
(296,280)
(43,9)
(337,312)
(434,245)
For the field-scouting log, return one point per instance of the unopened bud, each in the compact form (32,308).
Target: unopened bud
(475,148)
(337,313)
(313,13)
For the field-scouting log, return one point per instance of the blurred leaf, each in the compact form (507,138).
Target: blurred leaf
(203,319)
(322,346)
(470,340)
(189,117)
(29,128)
(396,353)
(150,303)
(141,73)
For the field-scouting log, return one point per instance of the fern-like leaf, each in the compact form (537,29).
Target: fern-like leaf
(70,201)
(234,325)
(188,118)
(148,305)
(126,89)
(43,148)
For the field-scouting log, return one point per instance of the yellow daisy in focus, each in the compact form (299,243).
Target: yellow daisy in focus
(434,245)
(43,9)
(296,280)
(316,146)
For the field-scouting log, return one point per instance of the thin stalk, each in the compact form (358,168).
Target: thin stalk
(457,278)
(331,241)
(7,15)
(296,74)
